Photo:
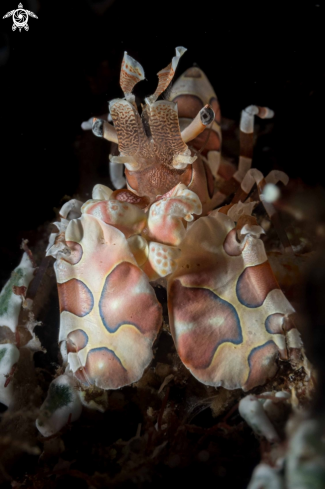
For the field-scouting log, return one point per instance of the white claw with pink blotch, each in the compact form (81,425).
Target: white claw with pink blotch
(167,217)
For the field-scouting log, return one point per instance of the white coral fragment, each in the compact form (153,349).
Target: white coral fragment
(265,477)
(9,356)
(305,461)
(64,352)
(251,409)
(10,302)
(34,343)
(62,405)
(274,407)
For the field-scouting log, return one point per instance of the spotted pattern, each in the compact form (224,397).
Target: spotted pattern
(125,195)
(254,284)
(151,169)
(105,368)
(109,338)
(75,297)
(77,340)
(226,334)
(115,311)
(127,81)
(154,181)
(126,217)
(262,364)
(131,73)
(274,323)
(224,302)
(162,260)
(165,76)
(165,223)
(218,320)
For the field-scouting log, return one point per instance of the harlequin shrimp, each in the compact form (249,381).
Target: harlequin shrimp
(228,317)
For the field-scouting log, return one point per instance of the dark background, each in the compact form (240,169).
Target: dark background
(66,68)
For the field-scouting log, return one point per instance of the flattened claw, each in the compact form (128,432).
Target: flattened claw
(103,294)
(226,307)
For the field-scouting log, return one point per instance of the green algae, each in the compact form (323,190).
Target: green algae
(7,292)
